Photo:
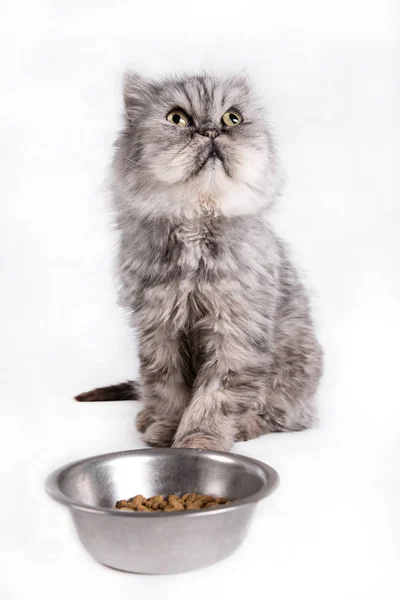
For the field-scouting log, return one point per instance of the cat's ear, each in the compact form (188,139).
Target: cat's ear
(241,80)
(136,90)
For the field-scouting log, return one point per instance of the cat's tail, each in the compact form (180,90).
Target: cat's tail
(122,391)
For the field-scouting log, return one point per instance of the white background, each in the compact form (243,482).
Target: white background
(329,73)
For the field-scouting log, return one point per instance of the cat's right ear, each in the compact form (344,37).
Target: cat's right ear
(136,94)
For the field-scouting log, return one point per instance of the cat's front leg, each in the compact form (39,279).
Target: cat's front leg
(231,386)
(163,388)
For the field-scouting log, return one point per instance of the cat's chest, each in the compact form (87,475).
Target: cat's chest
(194,245)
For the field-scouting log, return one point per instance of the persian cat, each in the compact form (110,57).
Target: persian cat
(227,345)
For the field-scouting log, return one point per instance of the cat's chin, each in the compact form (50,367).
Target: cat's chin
(212,193)
(213,180)
(229,197)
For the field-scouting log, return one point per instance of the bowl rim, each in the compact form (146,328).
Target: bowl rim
(53,488)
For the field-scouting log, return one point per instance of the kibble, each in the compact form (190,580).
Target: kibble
(188,501)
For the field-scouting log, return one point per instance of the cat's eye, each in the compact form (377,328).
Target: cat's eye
(178,117)
(232,118)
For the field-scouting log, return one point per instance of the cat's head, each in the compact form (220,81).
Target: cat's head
(193,144)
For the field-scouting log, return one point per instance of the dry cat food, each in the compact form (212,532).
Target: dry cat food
(170,503)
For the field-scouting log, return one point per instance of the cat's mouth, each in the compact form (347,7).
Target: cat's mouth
(212,154)
(215,153)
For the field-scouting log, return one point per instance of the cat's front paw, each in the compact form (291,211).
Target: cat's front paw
(203,441)
(160,434)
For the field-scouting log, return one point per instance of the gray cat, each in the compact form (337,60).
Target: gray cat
(227,346)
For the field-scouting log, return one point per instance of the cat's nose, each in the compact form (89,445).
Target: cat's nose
(211,133)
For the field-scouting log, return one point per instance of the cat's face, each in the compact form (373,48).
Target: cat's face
(192,142)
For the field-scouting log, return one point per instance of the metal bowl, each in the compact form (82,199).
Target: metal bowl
(171,542)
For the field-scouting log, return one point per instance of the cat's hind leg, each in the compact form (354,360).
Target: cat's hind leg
(250,426)
(291,385)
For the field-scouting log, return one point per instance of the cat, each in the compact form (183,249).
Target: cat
(227,345)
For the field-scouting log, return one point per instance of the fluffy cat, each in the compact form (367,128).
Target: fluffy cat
(227,345)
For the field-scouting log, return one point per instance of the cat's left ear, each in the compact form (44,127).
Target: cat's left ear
(136,91)
(241,80)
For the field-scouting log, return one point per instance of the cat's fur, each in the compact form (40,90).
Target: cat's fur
(227,345)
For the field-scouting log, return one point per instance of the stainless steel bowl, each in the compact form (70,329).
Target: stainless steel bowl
(160,542)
